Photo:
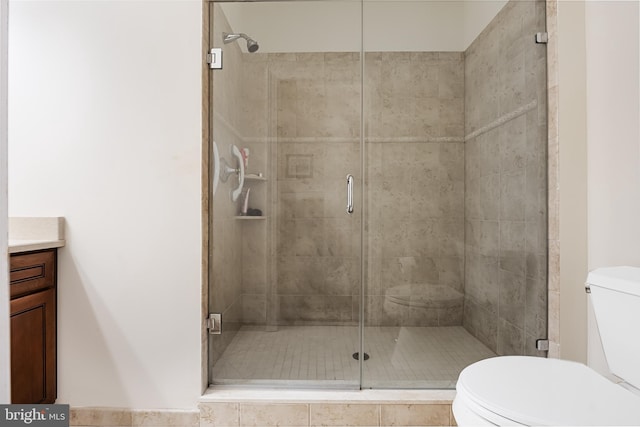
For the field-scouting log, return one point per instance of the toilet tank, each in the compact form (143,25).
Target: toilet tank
(615,295)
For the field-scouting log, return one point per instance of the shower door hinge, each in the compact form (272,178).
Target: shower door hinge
(542,345)
(542,38)
(214,58)
(214,323)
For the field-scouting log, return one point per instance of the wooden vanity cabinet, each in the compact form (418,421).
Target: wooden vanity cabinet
(33,326)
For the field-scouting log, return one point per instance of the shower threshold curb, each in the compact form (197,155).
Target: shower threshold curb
(228,394)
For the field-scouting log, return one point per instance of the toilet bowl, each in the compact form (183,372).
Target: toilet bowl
(532,391)
(523,390)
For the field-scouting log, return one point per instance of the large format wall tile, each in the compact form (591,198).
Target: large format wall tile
(331,413)
(343,415)
(415,183)
(263,415)
(414,415)
(505,209)
(220,415)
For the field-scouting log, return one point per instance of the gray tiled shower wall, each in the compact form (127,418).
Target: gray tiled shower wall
(439,210)
(505,178)
(415,179)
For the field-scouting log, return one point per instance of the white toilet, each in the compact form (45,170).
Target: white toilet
(521,390)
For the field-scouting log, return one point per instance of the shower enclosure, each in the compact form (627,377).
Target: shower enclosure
(436,111)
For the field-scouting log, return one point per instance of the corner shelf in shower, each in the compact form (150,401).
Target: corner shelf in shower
(255,178)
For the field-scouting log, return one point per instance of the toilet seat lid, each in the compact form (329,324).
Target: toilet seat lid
(538,391)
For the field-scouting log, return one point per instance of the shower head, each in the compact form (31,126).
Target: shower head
(252,45)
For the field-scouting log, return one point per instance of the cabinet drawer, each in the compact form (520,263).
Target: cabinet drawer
(32,272)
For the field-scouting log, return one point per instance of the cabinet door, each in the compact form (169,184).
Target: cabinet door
(33,348)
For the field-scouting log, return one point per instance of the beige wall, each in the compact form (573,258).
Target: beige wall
(613,142)
(105,130)
(598,165)
(476,16)
(613,136)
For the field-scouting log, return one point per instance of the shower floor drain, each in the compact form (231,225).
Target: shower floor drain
(356,356)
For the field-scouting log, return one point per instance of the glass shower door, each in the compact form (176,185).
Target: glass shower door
(286,276)
(438,111)
(455,142)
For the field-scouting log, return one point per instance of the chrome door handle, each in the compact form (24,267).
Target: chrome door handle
(349,194)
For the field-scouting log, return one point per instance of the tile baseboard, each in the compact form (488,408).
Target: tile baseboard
(231,407)
(121,417)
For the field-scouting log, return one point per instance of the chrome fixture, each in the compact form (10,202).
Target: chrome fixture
(226,169)
(214,323)
(542,38)
(252,45)
(349,194)
(542,344)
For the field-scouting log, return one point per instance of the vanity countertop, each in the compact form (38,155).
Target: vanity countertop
(33,233)
(24,245)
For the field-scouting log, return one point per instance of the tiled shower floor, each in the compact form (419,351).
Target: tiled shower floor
(405,357)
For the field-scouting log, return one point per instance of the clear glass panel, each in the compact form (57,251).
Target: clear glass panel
(288,281)
(448,235)
(455,134)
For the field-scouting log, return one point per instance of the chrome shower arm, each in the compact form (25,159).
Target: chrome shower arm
(228,38)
